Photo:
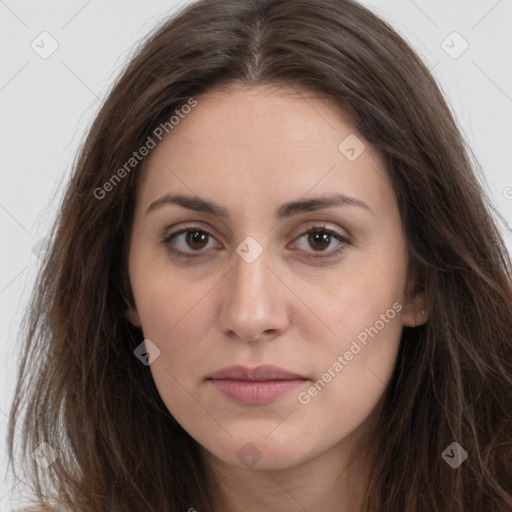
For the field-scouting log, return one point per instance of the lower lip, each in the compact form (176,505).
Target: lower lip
(251,392)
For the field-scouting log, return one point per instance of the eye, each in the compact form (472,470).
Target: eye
(188,241)
(320,240)
(194,241)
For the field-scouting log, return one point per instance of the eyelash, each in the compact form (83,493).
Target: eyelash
(168,237)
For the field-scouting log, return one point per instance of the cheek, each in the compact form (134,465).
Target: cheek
(177,313)
(353,367)
(166,296)
(363,311)
(174,309)
(366,290)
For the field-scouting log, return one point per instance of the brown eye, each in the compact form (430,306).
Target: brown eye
(189,242)
(321,243)
(196,240)
(319,240)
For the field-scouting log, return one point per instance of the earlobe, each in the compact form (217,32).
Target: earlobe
(133,317)
(415,311)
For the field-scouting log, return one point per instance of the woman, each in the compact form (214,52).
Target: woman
(275,283)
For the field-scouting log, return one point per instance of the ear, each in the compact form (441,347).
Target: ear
(415,310)
(133,317)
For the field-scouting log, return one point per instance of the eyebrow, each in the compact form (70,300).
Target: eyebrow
(286,210)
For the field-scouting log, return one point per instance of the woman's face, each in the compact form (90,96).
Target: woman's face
(267,235)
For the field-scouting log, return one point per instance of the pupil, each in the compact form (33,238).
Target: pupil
(196,239)
(321,238)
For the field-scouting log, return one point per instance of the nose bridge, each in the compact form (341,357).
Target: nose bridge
(250,278)
(253,303)
(250,283)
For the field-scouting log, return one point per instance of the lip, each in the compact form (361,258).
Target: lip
(255,386)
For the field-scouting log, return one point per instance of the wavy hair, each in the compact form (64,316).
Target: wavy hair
(80,388)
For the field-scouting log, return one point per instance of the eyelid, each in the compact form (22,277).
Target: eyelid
(321,226)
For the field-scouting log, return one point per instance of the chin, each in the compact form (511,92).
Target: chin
(259,453)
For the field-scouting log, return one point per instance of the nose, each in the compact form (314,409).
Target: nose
(255,302)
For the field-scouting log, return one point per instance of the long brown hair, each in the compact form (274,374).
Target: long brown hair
(82,391)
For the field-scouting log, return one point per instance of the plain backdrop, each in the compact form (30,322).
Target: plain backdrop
(46,105)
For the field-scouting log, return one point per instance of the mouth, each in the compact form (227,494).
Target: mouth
(255,386)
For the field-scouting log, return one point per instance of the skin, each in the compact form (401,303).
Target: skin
(250,151)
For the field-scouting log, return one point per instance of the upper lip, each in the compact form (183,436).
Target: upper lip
(258,373)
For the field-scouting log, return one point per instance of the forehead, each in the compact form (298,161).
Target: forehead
(263,144)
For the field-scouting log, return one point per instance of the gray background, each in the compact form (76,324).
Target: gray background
(47,104)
